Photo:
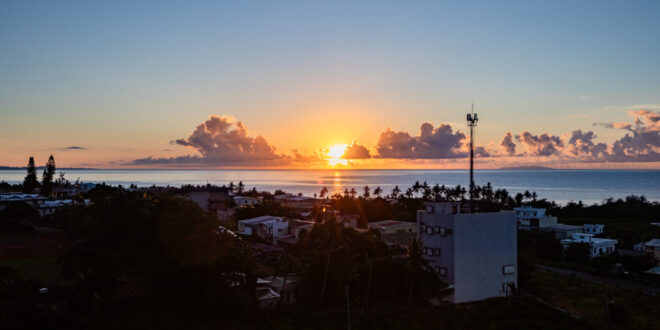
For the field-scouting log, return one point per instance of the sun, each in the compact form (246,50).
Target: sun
(335,152)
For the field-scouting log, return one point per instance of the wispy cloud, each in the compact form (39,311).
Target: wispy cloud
(71,148)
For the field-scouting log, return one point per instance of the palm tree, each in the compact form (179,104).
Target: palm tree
(416,262)
(416,187)
(436,192)
(324,192)
(367,192)
(378,191)
(395,192)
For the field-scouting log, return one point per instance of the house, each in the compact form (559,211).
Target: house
(267,298)
(475,253)
(653,247)
(49,207)
(598,246)
(267,227)
(246,201)
(35,200)
(594,228)
(300,203)
(288,290)
(562,231)
(395,233)
(533,218)
(209,199)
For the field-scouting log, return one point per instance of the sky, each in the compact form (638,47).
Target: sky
(292,84)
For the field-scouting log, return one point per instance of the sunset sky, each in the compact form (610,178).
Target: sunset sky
(279,84)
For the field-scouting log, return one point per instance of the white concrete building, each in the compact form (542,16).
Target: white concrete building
(395,233)
(594,229)
(475,253)
(533,218)
(246,201)
(34,200)
(598,246)
(268,227)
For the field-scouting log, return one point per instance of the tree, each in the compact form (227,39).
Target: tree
(47,177)
(324,192)
(367,192)
(378,191)
(395,192)
(30,183)
(240,188)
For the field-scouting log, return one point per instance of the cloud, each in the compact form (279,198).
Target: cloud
(431,143)
(581,144)
(221,140)
(71,148)
(540,145)
(642,142)
(507,144)
(356,151)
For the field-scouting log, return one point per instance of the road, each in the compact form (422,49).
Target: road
(627,283)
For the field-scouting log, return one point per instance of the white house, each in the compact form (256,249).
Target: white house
(533,218)
(49,207)
(268,227)
(246,201)
(598,246)
(594,229)
(35,200)
(475,253)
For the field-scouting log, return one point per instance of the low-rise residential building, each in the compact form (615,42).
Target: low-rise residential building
(35,200)
(395,233)
(533,218)
(562,231)
(267,227)
(246,201)
(475,253)
(212,200)
(594,229)
(597,246)
(653,247)
(49,207)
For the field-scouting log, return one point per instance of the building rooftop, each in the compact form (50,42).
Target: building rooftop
(654,242)
(262,219)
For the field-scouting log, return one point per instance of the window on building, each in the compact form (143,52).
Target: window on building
(443,231)
(436,252)
(429,230)
(442,271)
(509,269)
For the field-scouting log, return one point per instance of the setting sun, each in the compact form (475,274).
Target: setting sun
(335,152)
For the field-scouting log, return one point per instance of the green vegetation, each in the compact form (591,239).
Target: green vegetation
(599,304)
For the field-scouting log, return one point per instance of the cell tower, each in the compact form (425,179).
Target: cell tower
(472,123)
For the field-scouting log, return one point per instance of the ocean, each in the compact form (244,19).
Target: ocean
(562,186)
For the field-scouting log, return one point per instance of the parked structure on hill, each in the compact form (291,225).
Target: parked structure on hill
(475,253)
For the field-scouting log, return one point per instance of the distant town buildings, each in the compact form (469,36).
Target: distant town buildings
(475,253)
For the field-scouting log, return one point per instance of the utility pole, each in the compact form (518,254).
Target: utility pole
(472,123)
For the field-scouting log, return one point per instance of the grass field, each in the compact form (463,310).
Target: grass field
(595,302)
(45,270)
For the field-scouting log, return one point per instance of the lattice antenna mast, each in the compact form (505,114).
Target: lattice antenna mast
(472,123)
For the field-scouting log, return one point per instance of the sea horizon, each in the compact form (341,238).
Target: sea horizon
(590,186)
